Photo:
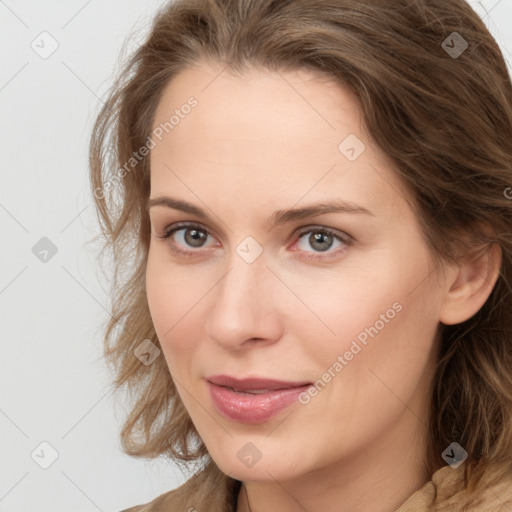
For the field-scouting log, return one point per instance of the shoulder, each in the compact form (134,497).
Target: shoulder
(209,489)
(447,491)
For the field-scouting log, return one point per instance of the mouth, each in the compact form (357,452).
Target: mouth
(254,400)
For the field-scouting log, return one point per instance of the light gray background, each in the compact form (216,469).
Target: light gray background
(54,386)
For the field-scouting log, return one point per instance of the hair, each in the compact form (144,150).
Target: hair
(444,121)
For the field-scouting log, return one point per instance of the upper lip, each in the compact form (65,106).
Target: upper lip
(253,383)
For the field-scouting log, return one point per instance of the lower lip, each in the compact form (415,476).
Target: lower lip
(253,409)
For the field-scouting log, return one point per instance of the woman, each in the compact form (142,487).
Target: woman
(307,205)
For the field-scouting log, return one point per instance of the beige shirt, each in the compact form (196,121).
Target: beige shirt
(210,490)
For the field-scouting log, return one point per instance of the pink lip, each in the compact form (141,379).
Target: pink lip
(253,408)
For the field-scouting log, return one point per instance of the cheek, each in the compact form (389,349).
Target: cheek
(384,321)
(374,366)
(171,301)
(387,356)
(355,306)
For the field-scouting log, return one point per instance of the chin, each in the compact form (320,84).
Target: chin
(247,462)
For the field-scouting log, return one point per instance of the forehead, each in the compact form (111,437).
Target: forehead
(278,107)
(262,133)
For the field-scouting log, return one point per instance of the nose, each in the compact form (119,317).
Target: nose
(245,306)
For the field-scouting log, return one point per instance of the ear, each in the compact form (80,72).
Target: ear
(470,284)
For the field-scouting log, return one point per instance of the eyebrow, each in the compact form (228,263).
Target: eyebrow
(277,218)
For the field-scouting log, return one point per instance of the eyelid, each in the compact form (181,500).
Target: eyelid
(342,235)
(172,228)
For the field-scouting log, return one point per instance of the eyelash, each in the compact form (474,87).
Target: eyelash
(346,239)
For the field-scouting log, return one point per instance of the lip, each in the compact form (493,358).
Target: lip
(253,408)
(252,383)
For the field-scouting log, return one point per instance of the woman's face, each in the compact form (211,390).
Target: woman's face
(344,299)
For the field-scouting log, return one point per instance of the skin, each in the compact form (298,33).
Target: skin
(268,141)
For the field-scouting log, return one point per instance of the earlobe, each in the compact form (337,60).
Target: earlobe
(470,286)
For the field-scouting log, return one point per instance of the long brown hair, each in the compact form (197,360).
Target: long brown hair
(439,105)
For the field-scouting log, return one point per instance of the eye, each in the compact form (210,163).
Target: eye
(186,235)
(322,240)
